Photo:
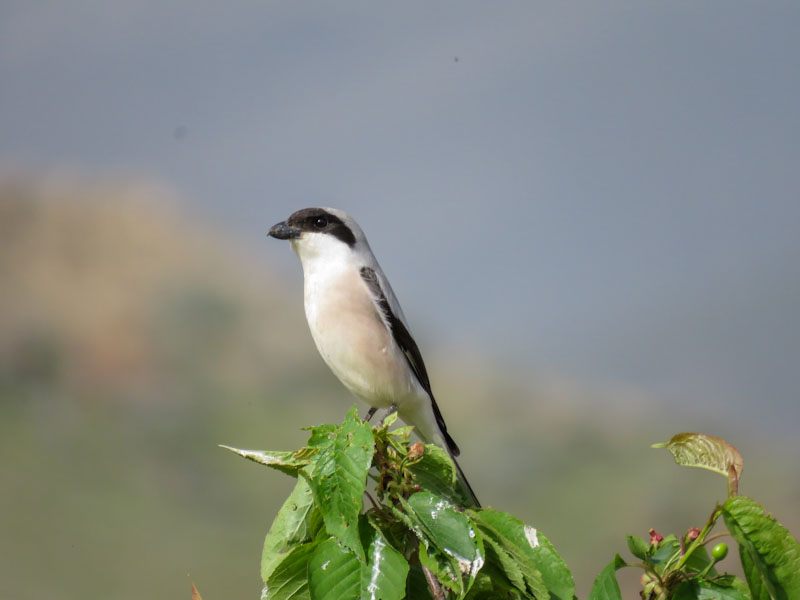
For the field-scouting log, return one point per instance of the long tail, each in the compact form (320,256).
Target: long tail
(453,450)
(462,479)
(435,431)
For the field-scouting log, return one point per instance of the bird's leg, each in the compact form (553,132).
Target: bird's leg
(391,411)
(370,414)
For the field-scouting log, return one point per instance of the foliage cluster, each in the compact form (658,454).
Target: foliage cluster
(414,540)
(418,538)
(681,568)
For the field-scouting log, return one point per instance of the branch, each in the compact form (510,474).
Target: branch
(434,585)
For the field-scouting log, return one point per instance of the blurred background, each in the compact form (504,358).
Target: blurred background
(588,210)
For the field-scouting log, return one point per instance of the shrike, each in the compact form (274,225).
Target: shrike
(358,325)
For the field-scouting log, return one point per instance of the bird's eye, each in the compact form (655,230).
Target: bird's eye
(320,222)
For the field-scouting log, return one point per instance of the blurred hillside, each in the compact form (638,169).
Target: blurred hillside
(106,287)
(134,339)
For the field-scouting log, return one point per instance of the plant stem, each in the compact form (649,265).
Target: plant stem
(436,588)
(371,499)
(717,536)
(700,539)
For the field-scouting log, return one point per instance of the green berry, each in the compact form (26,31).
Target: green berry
(719,551)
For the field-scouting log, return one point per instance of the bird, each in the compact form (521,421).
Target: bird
(358,326)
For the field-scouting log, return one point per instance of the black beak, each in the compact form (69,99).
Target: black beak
(282,231)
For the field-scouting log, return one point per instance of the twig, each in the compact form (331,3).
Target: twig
(436,588)
(716,536)
(371,499)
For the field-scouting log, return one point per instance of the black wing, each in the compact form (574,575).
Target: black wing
(409,348)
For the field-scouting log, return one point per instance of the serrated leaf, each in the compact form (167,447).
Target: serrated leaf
(321,434)
(707,452)
(289,528)
(540,557)
(703,589)
(637,546)
(605,585)
(338,477)
(501,566)
(286,462)
(484,588)
(774,553)
(334,572)
(289,579)
(555,574)
(411,523)
(533,584)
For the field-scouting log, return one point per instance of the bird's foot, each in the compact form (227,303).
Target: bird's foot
(391,411)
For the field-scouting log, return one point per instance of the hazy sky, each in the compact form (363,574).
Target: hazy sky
(608,191)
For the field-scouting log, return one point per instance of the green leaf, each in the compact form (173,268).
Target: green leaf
(316,525)
(416,584)
(450,547)
(729,580)
(556,575)
(698,562)
(444,567)
(669,551)
(338,476)
(449,530)
(605,585)
(500,565)
(532,582)
(384,575)
(289,579)
(774,554)
(708,452)
(703,589)
(436,473)
(542,565)
(401,434)
(290,528)
(664,555)
(637,546)
(758,590)
(286,462)
(320,434)
(389,420)
(510,557)
(484,588)
(334,572)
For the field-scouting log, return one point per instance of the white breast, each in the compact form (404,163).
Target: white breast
(353,339)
